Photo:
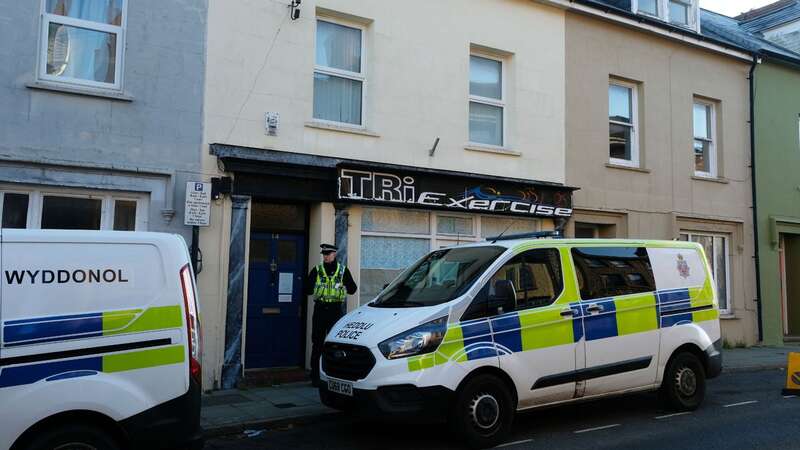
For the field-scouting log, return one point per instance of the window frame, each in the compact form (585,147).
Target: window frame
(502,103)
(659,9)
(726,238)
(690,14)
(118,30)
(712,141)
(663,14)
(108,203)
(635,160)
(355,76)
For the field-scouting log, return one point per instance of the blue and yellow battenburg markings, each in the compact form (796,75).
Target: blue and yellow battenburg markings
(81,367)
(546,327)
(79,326)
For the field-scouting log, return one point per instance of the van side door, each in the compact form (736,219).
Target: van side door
(536,331)
(620,318)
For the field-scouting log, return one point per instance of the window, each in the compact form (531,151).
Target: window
(649,7)
(393,239)
(623,123)
(15,209)
(486,101)
(339,73)
(73,209)
(705,163)
(82,42)
(605,272)
(679,11)
(717,253)
(535,277)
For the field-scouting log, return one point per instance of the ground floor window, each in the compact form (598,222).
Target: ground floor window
(392,239)
(72,209)
(716,247)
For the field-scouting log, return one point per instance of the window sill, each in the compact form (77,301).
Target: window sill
(631,168)
(728,316)
(711,179)
(79,90)
(491,149)
(341,129)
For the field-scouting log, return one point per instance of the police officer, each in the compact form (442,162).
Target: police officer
(330,283)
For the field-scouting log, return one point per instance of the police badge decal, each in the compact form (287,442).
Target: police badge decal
(683,267)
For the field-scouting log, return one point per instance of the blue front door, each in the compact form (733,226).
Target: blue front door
(274,301)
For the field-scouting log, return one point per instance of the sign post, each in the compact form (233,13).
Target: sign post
(197,213)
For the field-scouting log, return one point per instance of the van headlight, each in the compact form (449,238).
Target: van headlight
(416,341)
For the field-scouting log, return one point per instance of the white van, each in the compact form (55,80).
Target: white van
(474,333)
(100,342)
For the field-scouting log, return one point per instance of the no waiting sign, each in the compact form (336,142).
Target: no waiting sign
(197,211)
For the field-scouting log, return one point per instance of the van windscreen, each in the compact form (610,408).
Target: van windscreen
(439,277)
(613,271)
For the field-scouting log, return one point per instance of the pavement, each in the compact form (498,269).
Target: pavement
(252,411)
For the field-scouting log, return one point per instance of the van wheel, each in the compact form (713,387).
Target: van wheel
(684,385)
(483,412)
(73,437)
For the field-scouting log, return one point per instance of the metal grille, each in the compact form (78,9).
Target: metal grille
(345,361)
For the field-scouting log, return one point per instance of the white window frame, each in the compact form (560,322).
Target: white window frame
(712,142)
(502,103)
(119,63)
(728,310)
(635,159)
(36,201)
(355,76)
(663,12)
(435,238)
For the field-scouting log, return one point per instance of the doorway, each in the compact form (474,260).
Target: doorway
(275,334)
(790,283)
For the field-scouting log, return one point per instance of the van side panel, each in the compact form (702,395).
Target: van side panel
(89,321)
(687,301)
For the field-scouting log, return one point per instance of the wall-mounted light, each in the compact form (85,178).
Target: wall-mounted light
(294,9)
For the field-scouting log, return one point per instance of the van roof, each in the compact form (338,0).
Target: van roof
(87,236)
(514,243)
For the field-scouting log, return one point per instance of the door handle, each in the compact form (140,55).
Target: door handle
(567,312)
(595,308)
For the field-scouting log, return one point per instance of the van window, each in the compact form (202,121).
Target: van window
(439,277)
(612,271)
(536,279)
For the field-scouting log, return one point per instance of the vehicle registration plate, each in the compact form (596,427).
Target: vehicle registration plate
(340,387)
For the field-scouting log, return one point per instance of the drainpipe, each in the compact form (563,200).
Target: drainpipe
(756,62)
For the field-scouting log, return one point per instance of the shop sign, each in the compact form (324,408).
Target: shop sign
(427,190)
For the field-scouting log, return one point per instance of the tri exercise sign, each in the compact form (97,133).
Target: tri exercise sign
(429,190)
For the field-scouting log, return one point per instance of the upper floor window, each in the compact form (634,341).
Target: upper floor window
(623,123)
(339,73)
(705,157)
(82,42)
(677,12)
(486,101)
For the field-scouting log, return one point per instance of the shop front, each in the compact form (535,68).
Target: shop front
(382,217)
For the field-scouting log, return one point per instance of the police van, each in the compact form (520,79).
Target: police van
(100,342)
(474,333)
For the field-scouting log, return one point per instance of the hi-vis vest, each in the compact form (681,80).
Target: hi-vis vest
(330,289)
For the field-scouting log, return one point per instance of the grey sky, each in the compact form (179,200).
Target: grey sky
(733,7)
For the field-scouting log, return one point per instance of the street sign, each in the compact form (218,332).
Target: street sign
(197,211)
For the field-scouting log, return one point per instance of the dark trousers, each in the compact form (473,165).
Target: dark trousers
(325,317)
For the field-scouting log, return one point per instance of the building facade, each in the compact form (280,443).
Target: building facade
(101,116)
(660,148)
(348,126)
